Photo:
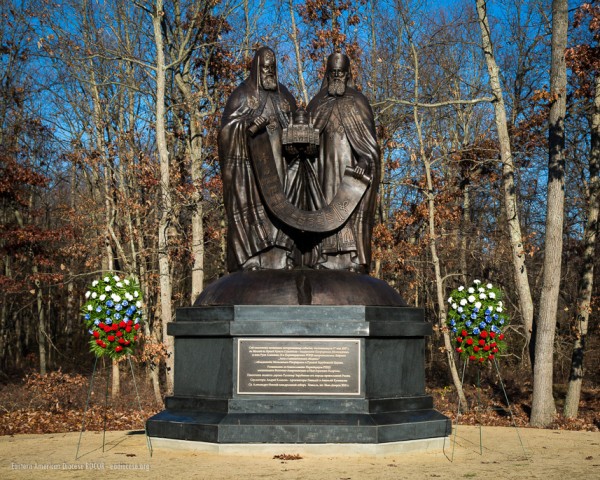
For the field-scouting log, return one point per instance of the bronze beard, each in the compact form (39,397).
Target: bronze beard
(269,82)
(336,87)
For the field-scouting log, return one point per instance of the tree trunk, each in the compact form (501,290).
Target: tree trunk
(543,407)
(39,297)
(197,240)
(164,270)
(439,288)
(71,313)
(246,47)
(41,323)
(508,176)
(151,370)
(184,83)
(4,330)
(586,283)
(41,330)
(3,333)
(299,65)
(464,235)
(381,213)
(439,283)
(99,122)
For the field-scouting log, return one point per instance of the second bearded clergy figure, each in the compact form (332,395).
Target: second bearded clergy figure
(346,127)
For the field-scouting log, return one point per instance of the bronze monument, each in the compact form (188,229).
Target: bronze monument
(298,344)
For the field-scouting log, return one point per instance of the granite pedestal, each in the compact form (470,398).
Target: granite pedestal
(305,373)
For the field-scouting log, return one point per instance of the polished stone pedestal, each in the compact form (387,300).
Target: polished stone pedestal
(389,403)
(423,445)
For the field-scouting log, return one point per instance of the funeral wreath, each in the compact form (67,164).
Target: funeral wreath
(477,319)
(112,314)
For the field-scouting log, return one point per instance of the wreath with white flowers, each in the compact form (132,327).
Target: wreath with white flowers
(476,317)
(113,316)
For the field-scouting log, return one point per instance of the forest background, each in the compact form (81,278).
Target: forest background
(488,118)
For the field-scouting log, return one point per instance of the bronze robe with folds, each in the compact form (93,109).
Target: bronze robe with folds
(347,138)
(252,230)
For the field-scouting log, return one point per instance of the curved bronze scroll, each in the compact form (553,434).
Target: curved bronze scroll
(329,218)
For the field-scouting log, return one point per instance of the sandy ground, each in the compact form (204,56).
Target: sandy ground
(549,454)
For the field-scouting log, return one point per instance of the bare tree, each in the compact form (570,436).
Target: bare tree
(508,174)
(543,407)
(431,221)
(164,269)
(299,62)
(586,66)
(192,46)
(584,297)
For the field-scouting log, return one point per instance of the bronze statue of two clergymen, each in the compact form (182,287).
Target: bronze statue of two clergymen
(299,186)
(300,192)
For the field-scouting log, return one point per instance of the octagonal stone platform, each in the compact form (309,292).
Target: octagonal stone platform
(389,404)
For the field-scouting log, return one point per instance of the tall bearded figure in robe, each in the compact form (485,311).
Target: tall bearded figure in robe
(255,114)
(347,136)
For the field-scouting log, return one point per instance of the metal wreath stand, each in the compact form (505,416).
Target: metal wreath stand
(478,388)
(87,404)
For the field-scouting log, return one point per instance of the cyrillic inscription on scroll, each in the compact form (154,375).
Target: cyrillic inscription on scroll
(282,366)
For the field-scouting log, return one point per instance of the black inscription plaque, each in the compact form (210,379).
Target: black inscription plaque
(286,366)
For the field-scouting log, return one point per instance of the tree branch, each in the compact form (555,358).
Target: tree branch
(390,101)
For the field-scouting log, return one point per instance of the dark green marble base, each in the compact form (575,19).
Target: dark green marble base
(298,428)
(392,405)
